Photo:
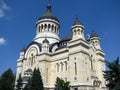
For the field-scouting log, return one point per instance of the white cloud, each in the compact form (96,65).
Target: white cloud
(2,41)
(3,8)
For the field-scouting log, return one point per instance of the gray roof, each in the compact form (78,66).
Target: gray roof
(67,38)
(23,50)
(77,22)
(48,14)
(93,34)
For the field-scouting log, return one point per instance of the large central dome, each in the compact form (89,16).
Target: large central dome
(48,14)
(47,27)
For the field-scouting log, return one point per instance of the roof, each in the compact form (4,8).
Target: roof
(93,34)
(67,38)
(23,49)
(45,40)
(48,14)
(77,22)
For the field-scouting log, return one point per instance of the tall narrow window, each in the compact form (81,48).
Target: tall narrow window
(46,75)
(48,27)
(75,32)
(91,65)
(57,67)
(91,60)
(78,31)
(61,66)
(75,68)
(66,66)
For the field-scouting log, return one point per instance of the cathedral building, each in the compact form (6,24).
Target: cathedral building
(75,59)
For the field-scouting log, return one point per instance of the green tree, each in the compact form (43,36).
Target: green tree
(7,80)
(112,75)
(35,82)
(61,84)
(19,83)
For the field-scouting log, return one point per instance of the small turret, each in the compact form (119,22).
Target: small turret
(77,30)
(22,53)
(94,38)
(45,45)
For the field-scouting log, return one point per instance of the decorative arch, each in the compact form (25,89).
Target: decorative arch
(33,48)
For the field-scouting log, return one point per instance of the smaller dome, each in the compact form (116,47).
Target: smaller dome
(48,14)
(93,34)
(45,40)
(23,50)
(77,22)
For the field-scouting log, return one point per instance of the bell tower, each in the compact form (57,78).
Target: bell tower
(77,30)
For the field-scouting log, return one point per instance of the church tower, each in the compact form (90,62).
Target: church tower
(77,30)
(95,40)
(47,26)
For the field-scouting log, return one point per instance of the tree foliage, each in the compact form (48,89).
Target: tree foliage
(7,80)
(112,75)
(61,84)
(19,83)
(35,82)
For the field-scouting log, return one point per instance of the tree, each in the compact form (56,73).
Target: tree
(112,75)
(7,80)
(61,84)
(35,82)
(19,83)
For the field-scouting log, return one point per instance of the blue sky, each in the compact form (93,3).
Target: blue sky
(18,19)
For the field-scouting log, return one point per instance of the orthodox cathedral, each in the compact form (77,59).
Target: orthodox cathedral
(75,59)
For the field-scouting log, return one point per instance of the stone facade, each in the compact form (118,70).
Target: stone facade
(74,58)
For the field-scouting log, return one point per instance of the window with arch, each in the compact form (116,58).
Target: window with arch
(57,67)
(55,30)
(91,57)
(78,31)
(45,26)
(61,66)
(52,28)
(65,65)
(41,27)
(81,31)
(48,27)
(74,32)
(75,68)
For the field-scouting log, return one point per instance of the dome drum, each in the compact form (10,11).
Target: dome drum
(47,27)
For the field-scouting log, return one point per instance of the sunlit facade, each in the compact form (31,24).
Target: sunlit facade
(73,58)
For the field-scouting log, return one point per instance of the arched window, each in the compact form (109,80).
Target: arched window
(78,31)
(65,65)
(75,68)
(57,67)
(55,30)
(39,28)
(45,26)
(61,66)
(91,57)
(48,27)
(74,32)
(42,27)
(81,31)
(52,27)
